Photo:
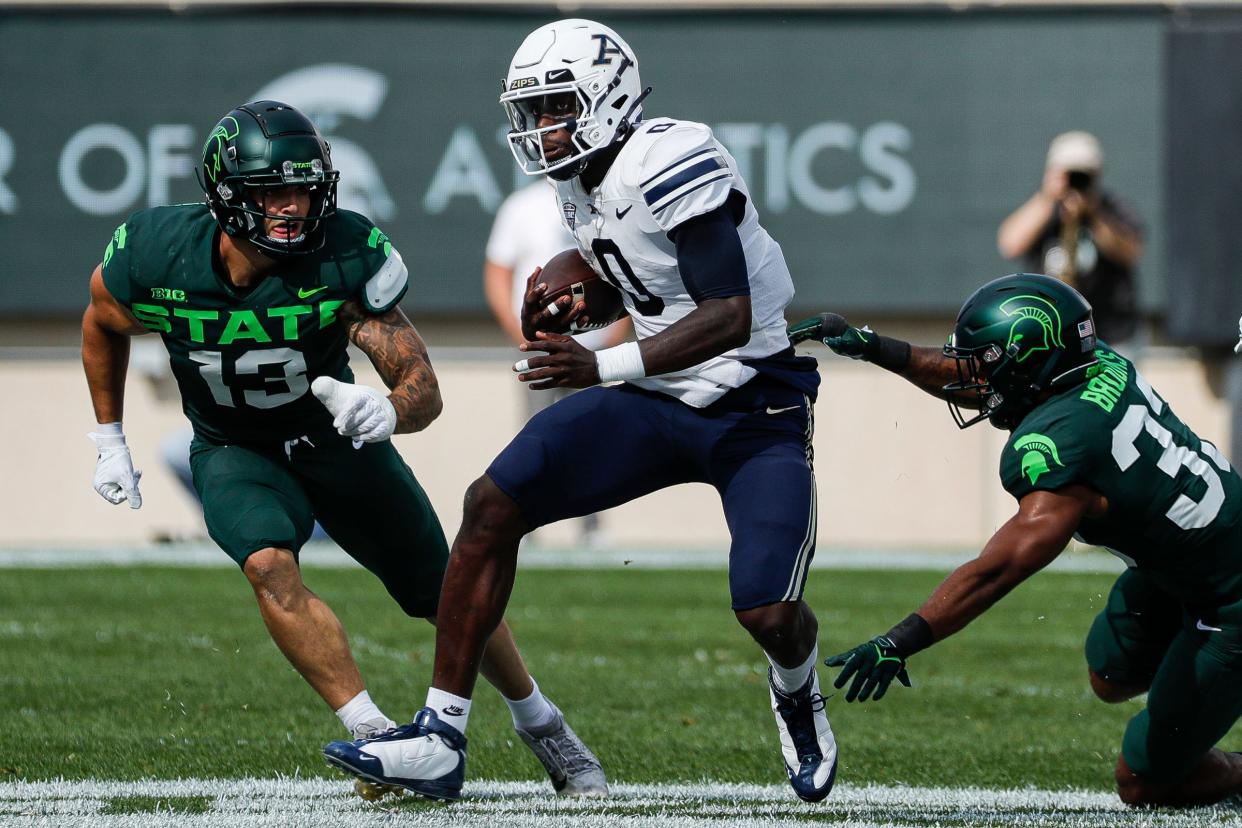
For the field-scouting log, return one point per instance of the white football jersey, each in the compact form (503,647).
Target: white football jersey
(669,171)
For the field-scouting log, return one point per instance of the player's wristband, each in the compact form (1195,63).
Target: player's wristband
(622,362)
(893,354)
(911,635)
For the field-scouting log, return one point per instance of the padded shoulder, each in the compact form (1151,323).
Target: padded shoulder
(677,169)
(145,248)
(1058,444)
(374,267)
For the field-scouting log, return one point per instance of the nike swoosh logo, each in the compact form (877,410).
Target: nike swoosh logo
(621,213)
(429,765)
(303,293)
(772,410)
(1199,625)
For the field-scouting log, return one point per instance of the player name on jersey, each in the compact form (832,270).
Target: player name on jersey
(1174,501)
(1104,389)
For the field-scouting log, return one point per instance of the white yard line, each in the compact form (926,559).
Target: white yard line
(329,556)
(315,802)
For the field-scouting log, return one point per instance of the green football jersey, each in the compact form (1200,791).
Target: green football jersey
(1174,502)
(244,359)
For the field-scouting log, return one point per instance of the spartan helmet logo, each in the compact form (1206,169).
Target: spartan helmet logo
(225,131)
(1037,328)
(1036,451)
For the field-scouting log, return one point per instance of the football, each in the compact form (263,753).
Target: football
(568,274)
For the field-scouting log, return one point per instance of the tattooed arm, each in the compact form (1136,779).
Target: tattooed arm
(397,351)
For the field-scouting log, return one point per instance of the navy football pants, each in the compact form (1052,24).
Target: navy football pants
(606,446)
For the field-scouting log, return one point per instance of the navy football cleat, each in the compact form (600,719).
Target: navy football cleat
(807,744)
(426,756)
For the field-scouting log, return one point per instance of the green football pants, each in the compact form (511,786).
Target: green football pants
(1193,661)
(365,498)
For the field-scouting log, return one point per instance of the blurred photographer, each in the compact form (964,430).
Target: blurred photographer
(1078,232)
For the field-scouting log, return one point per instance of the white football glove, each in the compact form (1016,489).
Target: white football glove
(361,412)
(115,478)
(1237,349)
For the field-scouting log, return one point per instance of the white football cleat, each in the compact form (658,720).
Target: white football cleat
(426,756)
(570,764)
(374,791)
(807,744)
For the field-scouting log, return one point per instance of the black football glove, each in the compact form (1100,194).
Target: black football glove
(873,665)
(839,335)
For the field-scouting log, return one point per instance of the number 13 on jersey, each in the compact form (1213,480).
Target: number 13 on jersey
(276,391)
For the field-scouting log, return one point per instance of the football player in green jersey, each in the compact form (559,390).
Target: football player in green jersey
(256,294)
(1093,452)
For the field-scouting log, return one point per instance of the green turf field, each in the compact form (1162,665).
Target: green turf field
(168,673)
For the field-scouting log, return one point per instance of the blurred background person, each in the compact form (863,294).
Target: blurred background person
(1076,231)
(527,233)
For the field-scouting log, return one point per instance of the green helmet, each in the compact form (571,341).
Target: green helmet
(1016,338)
(268,144)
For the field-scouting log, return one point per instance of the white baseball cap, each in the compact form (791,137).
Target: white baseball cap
(1076,151)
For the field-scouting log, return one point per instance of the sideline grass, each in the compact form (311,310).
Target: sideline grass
(150,673)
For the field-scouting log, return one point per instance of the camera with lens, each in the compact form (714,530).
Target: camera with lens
(1080,180)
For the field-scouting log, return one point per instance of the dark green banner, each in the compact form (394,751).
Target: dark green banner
(882,150)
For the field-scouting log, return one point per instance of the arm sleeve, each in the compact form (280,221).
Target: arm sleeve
(684,174)
(710,258)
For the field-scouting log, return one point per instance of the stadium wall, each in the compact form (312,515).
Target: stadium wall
(893,470)
(882,147)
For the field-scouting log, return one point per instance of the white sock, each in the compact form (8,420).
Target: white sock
(452,710)
(532,712)
(358,710)
(790,679)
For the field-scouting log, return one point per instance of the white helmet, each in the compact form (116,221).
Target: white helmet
(582,59)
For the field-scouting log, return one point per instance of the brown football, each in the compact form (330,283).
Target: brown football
(568,274)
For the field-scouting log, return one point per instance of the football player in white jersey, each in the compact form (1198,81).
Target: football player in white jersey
(712,392)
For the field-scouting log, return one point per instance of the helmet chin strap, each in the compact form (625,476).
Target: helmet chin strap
(1066,377)
(589,165)
(625,124)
